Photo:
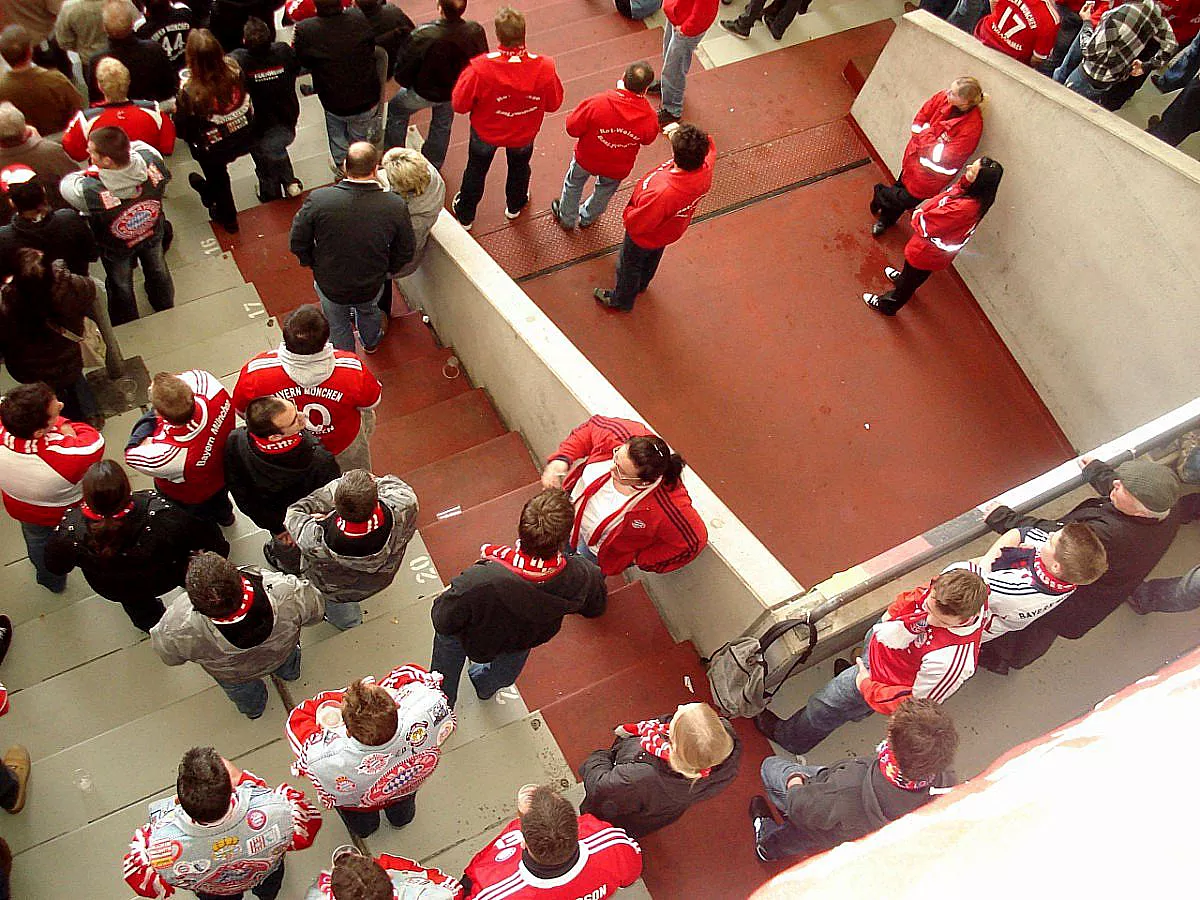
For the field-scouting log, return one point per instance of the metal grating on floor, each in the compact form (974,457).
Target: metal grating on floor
(536,245)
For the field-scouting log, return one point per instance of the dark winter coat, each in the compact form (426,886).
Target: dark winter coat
(152,558)
(843,802)
(637,791)
(492,610)
(63,234)
(339,50)
(264,486)
(34,352)
(436,54)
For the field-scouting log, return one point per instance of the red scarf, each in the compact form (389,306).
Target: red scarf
(360,529)
(89,513)
(528,567)
(891,770)
(281,446)
(244,609)
(656,739)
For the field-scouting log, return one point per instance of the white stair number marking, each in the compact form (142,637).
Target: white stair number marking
(1018,24)
(423,569)
(211,246)
(254,310)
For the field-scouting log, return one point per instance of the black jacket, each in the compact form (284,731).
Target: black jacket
(353,235)
(843,802)
(264,486)
(32,350)
(492,610)
(152,558)
(339,50)
(437,52)
(151,74)
(64,234)
(228,18)
(271,73)
(391,28)
(169,28)
(637,791)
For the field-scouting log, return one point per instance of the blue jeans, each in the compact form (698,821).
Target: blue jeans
(250,697)
(344,316)
(839,702)
(1084,87)
(1182,118)
(1168,594)
(364,823)
(1183,67)
(343,616)
(677,59)
(569,211)
(1070,62)
(967,13)
(449,657)
(400,110)
(118,281)
(36,538)
(939,8)
(775,840)
(343,131)
(479,159)
(635,267)
(272,164)
(78,400)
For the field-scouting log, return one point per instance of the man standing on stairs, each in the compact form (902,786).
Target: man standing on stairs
(687,21)
(427,70)
(121,194)
(239,625)
(507,94)
(354,235)
(513,599)
(336,392)
(180,443)
(611,128)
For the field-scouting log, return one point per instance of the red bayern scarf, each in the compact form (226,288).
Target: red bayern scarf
(656,739)
(891,770)
(281,446)
(528,567)
(243,610)
(360,529)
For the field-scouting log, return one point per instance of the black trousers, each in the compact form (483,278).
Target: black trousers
(890,203)
(364,823)
(781,13)
(1182,118)
(906,285)
(479,159)
(144,612)
(1071,619)
(9,787)
(635,267)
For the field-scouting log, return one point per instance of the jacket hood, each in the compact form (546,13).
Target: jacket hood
(279,471)
(307,370)
(124,182)
(393,495)
(544,607)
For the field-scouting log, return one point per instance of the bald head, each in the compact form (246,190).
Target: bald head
(118,20)
(12,125)
(361,160)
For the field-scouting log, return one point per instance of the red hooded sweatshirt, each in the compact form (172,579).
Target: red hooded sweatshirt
(691,17)
(663,202)
(507,93)
(612,127)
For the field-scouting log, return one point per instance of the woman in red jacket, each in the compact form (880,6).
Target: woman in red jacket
(631,509)
(942,225)
(944,135)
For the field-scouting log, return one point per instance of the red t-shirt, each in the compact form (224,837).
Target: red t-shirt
(331,407)
(1020,28)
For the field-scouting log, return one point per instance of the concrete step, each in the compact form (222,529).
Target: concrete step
(454,542)
(472,477)
(443,429)
(212,316)
(221,355)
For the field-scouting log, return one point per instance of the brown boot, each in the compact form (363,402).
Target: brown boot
(17,760)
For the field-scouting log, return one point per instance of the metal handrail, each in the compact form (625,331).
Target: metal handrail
(970,525)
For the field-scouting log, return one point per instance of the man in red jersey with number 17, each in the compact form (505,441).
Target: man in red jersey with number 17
(1023,29)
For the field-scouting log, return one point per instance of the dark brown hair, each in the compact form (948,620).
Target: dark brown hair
(550,828)
(260,416)
(26,409)
(112,142)
(923,739)
(654,459)
(356,495)
(213,78)
(306,331)
(106,490)
(359,878)
(545,524)
(213,584)
(1081,557)
(369,713)
(203,785)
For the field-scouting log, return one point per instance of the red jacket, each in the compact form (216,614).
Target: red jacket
(39,477)
(662,204)
(1020,28)
(940,145)
(941,225)
(507,93)
(611,128)
(299,10)
(1183,17)
(662,531)
(691,17)
(142,120)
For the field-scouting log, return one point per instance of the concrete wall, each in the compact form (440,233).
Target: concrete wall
(1088,264)
(543,387)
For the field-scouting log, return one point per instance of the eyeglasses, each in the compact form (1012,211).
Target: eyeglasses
(621,476)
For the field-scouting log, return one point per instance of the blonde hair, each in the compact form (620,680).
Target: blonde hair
(698,740)
(113,79)
(407,172)
(172,398)
(969,89)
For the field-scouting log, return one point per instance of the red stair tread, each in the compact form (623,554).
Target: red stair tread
(417,383)
(408,338)
(472,477)
(566,38)
(453,544)
(409,442)
(629,632)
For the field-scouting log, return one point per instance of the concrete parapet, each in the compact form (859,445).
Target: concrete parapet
(1088,263)
(543,387)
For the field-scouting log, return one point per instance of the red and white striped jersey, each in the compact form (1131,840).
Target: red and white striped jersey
(609,859)
(40,477)
(187,462)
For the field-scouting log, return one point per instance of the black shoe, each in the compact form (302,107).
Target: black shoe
(6,636)
(770,23)
(992,662)
(230,226)
(876,303)
(665,118)
(199,185)
(270,557)
(767,722)
(878,228)
(736,28)
(454,210)
(555,206)
(760,814)
(604,298)
(1156,80)
(228,521)
(840,665)
(263,198)
(1153,122)
(655,87)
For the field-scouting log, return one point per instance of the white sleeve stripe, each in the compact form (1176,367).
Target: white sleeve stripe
(347,362)
(941,170)
(58,449)
(950,680)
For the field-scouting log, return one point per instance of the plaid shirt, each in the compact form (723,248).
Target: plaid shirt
(1121,37)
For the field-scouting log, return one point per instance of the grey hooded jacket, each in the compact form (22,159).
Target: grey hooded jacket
(346,579)
(184,635)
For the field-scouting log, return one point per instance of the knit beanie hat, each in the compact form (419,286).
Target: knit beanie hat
(1154,485)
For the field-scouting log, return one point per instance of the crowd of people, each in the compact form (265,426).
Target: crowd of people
(289,447)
